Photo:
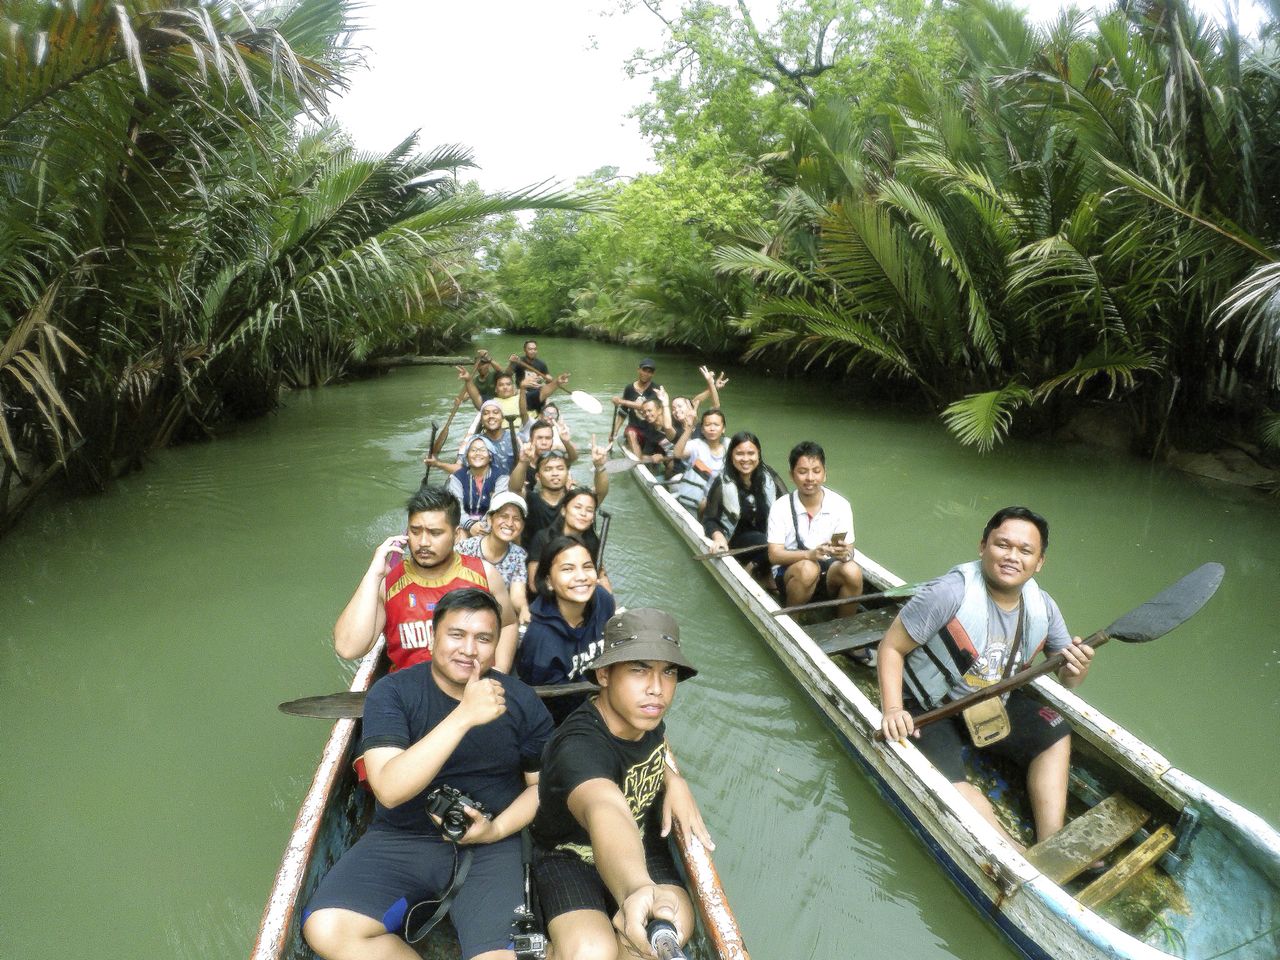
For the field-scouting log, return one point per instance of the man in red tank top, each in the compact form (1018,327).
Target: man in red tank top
(398,594)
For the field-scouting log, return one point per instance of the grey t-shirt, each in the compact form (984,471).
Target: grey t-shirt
(938,602)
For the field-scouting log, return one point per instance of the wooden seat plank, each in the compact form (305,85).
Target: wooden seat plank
(849,633)
(1094,834)
(1127,870)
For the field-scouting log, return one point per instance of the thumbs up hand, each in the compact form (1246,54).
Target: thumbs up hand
(483,701)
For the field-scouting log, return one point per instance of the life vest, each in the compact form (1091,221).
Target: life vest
(939,664)
(731,503)
(697,478)
(411,600)
(475,501)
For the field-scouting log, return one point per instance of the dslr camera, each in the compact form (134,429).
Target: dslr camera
(447,803)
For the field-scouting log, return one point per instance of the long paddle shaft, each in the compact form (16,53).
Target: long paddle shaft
(1168,609)
(604,536)
(431,446)
(349,704)
(444,432)
(734,552)
(906,590)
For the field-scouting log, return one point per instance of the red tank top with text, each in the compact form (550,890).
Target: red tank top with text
(411,599)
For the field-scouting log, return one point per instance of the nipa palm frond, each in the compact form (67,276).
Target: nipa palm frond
(982,419)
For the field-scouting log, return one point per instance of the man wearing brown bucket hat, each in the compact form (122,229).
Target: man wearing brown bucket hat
(606,799)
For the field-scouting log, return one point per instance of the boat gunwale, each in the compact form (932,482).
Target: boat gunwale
(282,901)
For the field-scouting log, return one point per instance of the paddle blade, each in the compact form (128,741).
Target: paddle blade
(619,466)
(586,401)
(331,706)
(1170,608)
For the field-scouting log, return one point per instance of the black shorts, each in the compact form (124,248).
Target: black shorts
(387,872)
(565,882)
(1034,727)
(820,592)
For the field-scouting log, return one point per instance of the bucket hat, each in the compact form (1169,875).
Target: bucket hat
(645,633)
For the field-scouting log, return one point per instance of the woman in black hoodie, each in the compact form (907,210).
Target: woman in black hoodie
(566,621)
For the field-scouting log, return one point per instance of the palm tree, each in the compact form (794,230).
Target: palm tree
(172,248)
(1036,224)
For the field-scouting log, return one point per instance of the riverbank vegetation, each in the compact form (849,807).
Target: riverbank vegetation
(182,234)
(1003,221)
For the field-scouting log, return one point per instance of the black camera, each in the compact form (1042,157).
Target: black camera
(447,803)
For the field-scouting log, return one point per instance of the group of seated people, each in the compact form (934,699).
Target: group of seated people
(458,710)
(587,775)
(804,537)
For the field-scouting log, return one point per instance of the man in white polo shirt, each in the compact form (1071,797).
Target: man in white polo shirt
(811,536)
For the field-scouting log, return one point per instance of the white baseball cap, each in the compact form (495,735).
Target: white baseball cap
(506,497)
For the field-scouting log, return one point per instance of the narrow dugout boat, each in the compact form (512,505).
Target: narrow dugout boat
(336,810)
(1193,875)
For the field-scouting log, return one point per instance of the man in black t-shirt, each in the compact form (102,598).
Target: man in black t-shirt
(607,797)
(634,395)
(522,365)
(447,722)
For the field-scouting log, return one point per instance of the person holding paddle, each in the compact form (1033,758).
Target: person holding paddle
(980,622)
(452,728)
(409,574)
(651,442)
(811,536)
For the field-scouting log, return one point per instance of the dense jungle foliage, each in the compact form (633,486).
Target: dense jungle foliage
(952,204)
(182,233)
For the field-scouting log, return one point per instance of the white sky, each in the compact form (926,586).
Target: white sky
(537,90)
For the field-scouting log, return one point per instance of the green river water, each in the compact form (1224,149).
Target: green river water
(146,637)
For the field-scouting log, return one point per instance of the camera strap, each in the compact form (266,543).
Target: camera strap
(460,870)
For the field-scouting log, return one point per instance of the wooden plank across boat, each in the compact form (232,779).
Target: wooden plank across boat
(1196,876)
(336,810)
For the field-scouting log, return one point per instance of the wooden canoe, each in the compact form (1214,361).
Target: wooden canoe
(1198,877)
(336,810)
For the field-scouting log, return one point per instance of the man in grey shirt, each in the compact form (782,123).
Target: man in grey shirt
(961,633)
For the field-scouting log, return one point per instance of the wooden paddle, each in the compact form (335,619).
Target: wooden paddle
(349,704)
(735,552)
(1170,608)
(619,466)
(605,518)
(444,432)
(906,590)
(426,473)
